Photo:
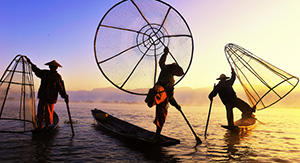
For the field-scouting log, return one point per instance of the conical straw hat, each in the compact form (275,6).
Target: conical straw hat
(222,76)
(53,63)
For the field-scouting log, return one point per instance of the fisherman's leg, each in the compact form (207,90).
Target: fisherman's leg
(40,113)
(158,121)
(229,114)
(244,108)
(49,114)
(51,110)
(160,117)
(157,133)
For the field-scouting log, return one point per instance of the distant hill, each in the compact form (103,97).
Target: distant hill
(106,95)
(184,96)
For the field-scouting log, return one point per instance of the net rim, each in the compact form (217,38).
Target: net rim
(15,119)
(281,96)
(131,91)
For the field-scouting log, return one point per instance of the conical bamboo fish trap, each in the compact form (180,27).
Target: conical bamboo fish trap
(17,97)
(263,83)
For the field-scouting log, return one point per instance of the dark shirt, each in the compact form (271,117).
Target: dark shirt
(166,79)
(51,85)
(225,90)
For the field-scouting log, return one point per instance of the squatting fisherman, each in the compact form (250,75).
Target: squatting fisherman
(163,91)
(51,85)
(229,98)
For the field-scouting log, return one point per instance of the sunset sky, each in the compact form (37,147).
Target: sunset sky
(64,30)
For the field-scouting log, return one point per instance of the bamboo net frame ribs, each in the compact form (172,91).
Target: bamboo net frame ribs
(17,97)
(263,83)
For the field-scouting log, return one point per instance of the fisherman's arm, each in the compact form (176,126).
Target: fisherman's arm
(163,58)
(62,91)
(174,103)
(213,93)
(233,76)
(38,72)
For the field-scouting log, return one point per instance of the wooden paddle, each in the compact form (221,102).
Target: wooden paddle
(70,119)
(211,101)
(196,137)
(208,119)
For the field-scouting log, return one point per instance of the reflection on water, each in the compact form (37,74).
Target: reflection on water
(43,145)
(233,139)
(232,148)
(277,140)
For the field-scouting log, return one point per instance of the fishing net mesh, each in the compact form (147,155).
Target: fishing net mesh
(17,98)
(131,38)
(263,83)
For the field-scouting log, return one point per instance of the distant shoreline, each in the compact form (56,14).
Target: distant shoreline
(184,95)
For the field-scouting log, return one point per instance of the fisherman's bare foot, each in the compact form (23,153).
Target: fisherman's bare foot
(39,125)
(46,127)
(233,128)
(157,138)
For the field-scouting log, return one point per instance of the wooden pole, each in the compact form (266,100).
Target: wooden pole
(208,116)
(208,119)
(196,137)
(70,119)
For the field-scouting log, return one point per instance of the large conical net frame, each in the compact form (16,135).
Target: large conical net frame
(17,97)
(130,40)
(263,83)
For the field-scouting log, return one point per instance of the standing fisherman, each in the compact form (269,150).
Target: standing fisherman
(229,98)
(51,85)
(163,91)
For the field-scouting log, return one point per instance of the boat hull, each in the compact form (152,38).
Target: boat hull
(128,132)
(51,128)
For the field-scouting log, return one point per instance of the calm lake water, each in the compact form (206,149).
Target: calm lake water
(276,139)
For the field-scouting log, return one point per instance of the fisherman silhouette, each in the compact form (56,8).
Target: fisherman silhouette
(229,98)
(51,85)
(162,93)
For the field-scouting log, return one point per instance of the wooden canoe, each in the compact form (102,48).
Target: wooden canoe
(51,128)
(129,132)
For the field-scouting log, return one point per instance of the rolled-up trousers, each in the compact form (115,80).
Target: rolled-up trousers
(45,111)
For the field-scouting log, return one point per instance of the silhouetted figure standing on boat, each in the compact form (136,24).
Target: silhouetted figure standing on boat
(163,92)
(229,98)
(51,85)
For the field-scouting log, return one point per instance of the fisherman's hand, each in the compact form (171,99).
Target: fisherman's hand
(178,107)
(166,50)
(67,99)
(210,98)
(28,60)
